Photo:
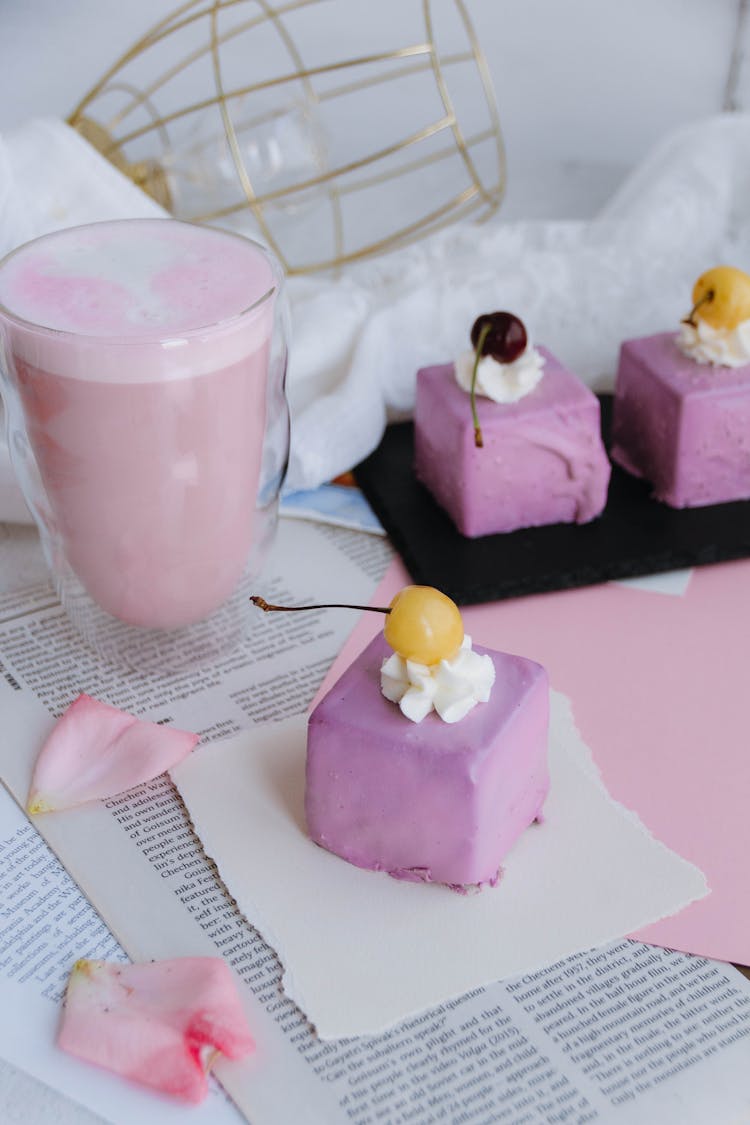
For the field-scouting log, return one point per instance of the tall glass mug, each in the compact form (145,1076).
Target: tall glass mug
(143,374)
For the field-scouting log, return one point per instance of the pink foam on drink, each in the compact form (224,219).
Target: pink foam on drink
(137,280)
(142,377)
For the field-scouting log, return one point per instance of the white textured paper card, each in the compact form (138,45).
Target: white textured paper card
(673,582)
(361,950)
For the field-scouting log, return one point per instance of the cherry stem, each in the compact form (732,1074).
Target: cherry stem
(707,297)
(268,608)
(483,334)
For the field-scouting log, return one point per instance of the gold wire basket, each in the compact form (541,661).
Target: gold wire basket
(328,148)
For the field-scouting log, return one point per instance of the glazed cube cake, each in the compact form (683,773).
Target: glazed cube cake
(427,801)
(683,426)
(542,461)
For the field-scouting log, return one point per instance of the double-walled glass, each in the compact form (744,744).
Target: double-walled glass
(150,444)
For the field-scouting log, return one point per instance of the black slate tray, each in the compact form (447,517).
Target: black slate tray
(635,535)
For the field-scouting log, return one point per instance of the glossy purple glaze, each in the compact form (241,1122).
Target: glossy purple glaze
(427,801)
(542,461)
(683,426)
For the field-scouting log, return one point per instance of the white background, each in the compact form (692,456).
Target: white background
(585,87)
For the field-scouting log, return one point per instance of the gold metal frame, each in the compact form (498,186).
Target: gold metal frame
(115,135)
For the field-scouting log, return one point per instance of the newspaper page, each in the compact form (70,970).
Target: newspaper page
(627,1033)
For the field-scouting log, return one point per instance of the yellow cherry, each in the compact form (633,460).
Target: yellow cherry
(424,625)
(721,297)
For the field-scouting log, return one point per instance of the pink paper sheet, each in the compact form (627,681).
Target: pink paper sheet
(660,687)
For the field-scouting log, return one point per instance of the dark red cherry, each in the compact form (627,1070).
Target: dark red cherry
(506,338)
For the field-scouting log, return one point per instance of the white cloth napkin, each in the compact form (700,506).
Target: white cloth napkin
(581,288)
(358,339)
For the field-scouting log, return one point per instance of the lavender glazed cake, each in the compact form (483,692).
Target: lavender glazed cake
(682,400)
(541,459)
(407,775)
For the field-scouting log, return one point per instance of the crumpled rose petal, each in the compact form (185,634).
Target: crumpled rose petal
(159,1024)
(96,751)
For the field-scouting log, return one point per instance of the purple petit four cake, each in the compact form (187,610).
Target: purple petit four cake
(682,400)
(541,458)
(441,798)
(682,426)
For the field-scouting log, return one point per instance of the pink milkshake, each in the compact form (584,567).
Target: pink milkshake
(140,369)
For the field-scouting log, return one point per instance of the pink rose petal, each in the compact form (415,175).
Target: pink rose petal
(96,751)
(160,1024)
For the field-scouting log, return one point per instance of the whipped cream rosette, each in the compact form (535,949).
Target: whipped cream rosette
(451,687)
(501,382)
